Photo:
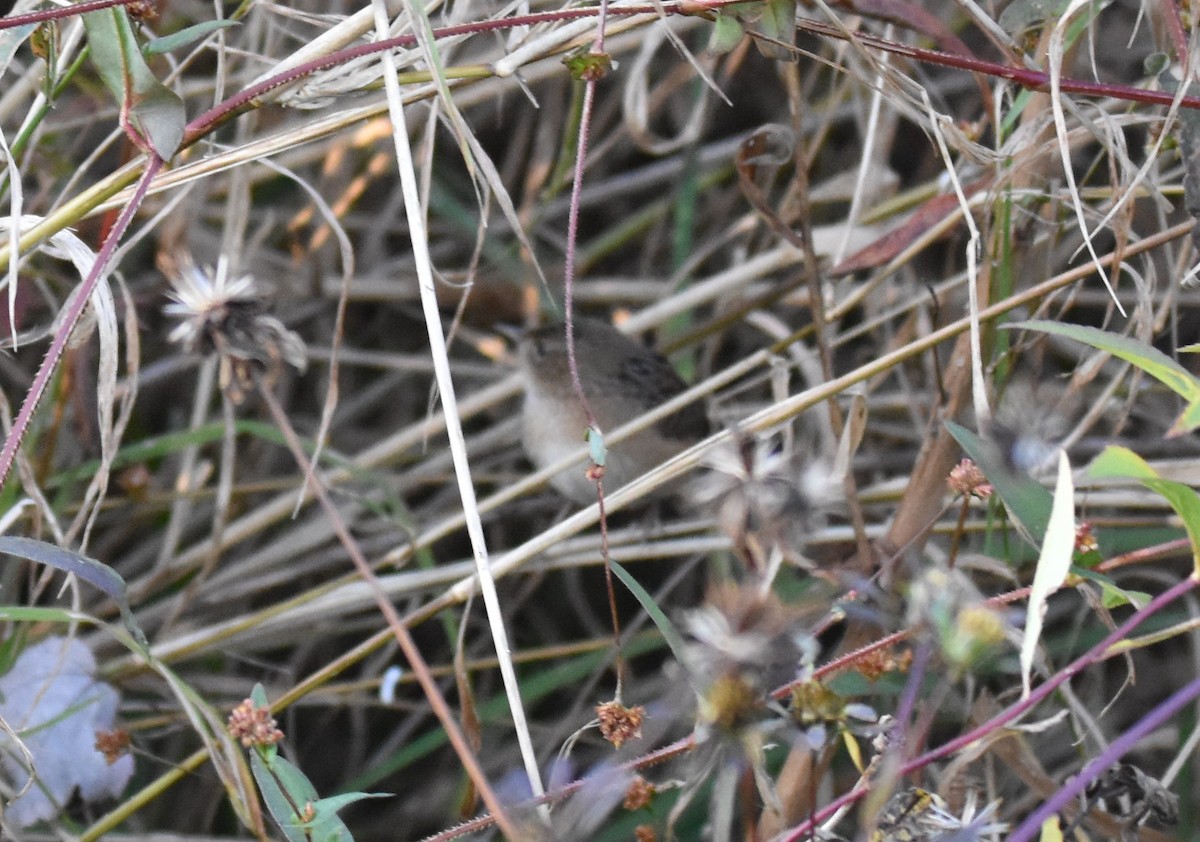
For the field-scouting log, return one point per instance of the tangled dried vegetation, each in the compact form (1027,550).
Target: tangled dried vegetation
(274,262)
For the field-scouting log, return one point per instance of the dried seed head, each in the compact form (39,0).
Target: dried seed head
(967,480)
(619,723)
(1030,424)
(915,813)
(639,794)
(112,744)
(951,610)
(253,725)
(230,318)
(760,505)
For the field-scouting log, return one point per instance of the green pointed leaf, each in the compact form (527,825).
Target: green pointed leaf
(1186,504)
(95,573)
(186,36)
(1122,462)
(259,696)
(1187,421)
(1148,358)
(282,784)
(1113,596)
(665,626)
(152,109)
(1026,499)
(327,825)
(778,21)
(727,32)
(11,41)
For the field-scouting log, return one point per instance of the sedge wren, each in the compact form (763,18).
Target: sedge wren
(621,379)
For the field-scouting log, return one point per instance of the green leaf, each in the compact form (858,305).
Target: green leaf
(282,784)
(1114,596)
(778,21)
(1122,462)
(259,696)
(11,40)
(726,34)
(1026,499)
(1021,15)
(1187,421)
(184,37)
(665,626)
(152,109)
(1148,358)
(327,825)
(1186,504)
(95,573)
(596,448)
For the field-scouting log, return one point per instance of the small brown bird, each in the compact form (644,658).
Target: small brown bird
(622,380)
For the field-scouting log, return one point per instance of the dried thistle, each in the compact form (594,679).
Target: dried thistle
(230,318)
(759,504)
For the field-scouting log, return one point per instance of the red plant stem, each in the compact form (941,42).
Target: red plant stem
(686,744)
(1097,766)
(61,12)
(42,379)
(1034,79)
(1092,656)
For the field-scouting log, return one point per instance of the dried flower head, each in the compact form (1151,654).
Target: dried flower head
(619,723)
(879,662)
(230,318)
(963,626)
(253,725)
(1085,539)
(1029,425)
(741,628)
(967,480)
(639,794)
(921,816)
(112,744)
(744,642)
(759,502)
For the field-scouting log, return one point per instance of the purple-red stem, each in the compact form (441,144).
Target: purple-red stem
(42,379)
(61,12)
(1068,791)
(1092,656)
(681,746)
(1025,77)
